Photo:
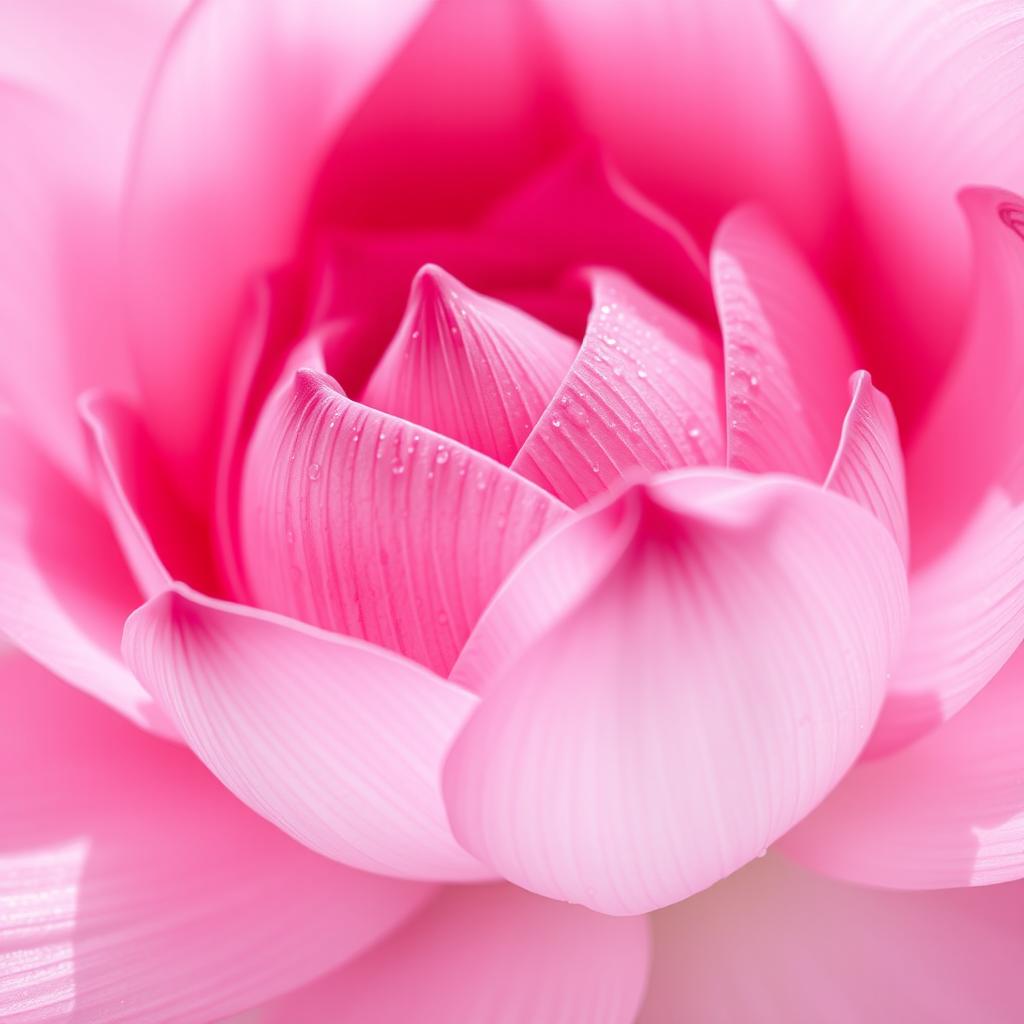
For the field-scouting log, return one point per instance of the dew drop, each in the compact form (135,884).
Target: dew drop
(642,374)
(442,455)
(693,432)
(397,469)
(555,422)
(314,471)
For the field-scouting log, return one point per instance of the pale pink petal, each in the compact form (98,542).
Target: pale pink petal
(65,590)
(133,886)
(868,464)
(487,953)
(948,810)
(161,539)
(778,945)
(714,681)
(338,742)
(965,475)
(929,96)
(704,104)
(68,99)
(642,395)
(787,355)
(246,105)
(368,525)
(470,367)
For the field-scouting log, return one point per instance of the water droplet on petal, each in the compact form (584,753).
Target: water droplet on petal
(314,471)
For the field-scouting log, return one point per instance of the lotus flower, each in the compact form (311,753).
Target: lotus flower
(511,511)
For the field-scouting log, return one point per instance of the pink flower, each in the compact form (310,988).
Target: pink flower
(478,475)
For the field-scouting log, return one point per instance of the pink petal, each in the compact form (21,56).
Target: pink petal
(929,96)
(487,953)
(777,945)
(946,811)
(337,742)
(868,464)
(367,525)
(233,142)
(590,772)
(160,538)
(787,355)
(641,395)
(64,588)
(133,887)
(966,484)
(470,367)
(703,104)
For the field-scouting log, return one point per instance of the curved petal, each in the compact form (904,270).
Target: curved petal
(487,953)
(714,682)
(640,396)
(868,464)
(965,476)
(787,355)
(338,742)
(704,104)
(776,944)
(65,591)
(370,526)
(132,883)
(948,810)
(929,95)
(246,104)
(160,538)
(474,369)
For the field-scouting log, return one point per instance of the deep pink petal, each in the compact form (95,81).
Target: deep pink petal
(487,953)
(368,525)
(338,742)
(642,395)
(703,104)
(134,887)
(948,810)
(929,95)
(713,682)
(868,464)
(65,590)
(246,104)
(469,367)
(787,355)
(777,945)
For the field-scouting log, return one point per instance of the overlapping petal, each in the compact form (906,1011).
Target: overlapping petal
(715,680)
(494,954)
(133,886)
(368,525)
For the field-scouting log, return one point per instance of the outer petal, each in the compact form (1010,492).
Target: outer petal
(470,367)
(494,954)
(868,464)
(712,685)
(929,96)
(133,887)
(64,588)
(338,742)
(947,811)
(640,396)
(787,355)
(246,104)
(775,944)
(368,525)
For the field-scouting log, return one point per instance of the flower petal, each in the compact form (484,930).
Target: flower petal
(868,464)
(948,810)
(472,368)
(133,886)
(64,588)
(338,742)
(776,944)
(370,526)
(487,953)
(787,355)
(246,104)
(641,395)
(732,659)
